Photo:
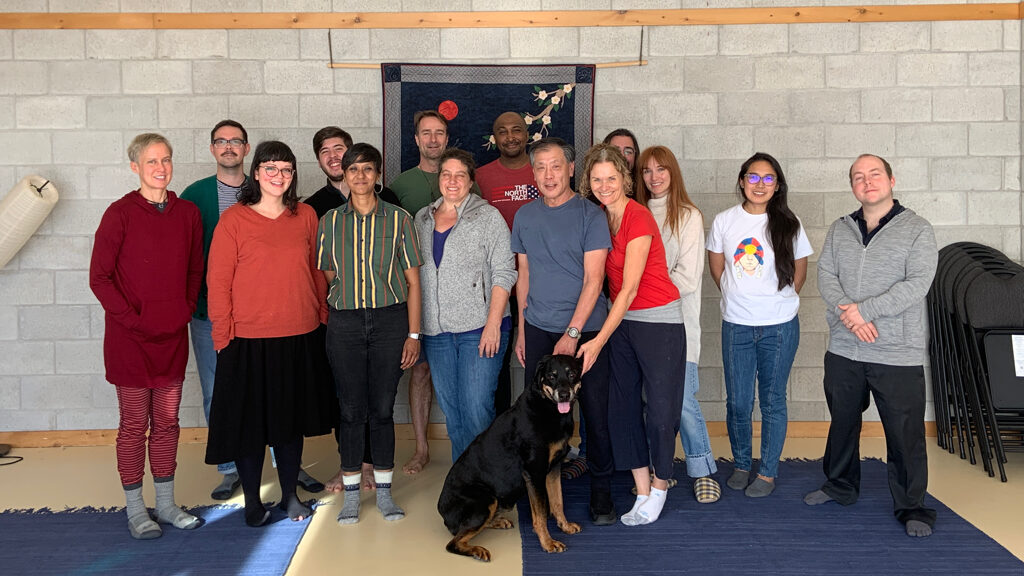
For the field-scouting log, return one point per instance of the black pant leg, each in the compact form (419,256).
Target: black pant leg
(250,473)
(390,327)
(846,392)
(900,397)
(594,403)
(503,393)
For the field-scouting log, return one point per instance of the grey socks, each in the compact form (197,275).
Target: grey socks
(385,504)
(817,497)
(739,479)
(140,525)
(167,511)
(759,488)
(918,529)
(227,487)
(350,508)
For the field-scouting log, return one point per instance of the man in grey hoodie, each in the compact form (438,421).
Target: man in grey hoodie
(875,268)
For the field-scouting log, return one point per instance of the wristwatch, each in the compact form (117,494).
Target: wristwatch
(573,333)
(414,335)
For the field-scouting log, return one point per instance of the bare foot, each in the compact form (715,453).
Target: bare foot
(416,464)
(335,484)
(369,482)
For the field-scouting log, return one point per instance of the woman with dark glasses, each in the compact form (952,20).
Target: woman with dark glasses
(757,254)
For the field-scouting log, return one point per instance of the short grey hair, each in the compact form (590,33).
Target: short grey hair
(552,142)
(143,141)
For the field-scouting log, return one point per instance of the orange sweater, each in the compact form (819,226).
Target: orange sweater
(262,275)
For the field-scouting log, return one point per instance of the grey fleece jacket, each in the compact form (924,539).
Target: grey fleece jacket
(477,256)
(888,279)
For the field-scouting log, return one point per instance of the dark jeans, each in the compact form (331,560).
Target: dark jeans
(646,359)
(899,396)
(593,401)
(364,348)
(503,394)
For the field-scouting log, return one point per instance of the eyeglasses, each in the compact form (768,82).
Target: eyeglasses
(768,179)
(223,143)
(271,170)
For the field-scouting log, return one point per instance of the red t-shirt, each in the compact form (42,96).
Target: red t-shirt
(507,189)
(656,288)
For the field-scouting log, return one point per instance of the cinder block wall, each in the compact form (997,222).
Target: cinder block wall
(941,100)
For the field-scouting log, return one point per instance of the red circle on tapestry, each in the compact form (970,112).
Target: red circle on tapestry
(448,109)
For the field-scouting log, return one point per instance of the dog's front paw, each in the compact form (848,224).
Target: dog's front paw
(480,553)
(570,527)
(553,546)
(500,524)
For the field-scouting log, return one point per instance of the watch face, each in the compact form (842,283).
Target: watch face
(573,333)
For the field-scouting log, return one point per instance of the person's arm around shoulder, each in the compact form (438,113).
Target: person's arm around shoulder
(105,251)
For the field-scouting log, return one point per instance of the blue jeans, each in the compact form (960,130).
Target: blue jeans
(693,431)
(763,354)
(206,365)
(464,383)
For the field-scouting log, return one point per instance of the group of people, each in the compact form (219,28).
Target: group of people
(305,314)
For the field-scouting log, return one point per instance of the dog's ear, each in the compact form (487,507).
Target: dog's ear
(542,366)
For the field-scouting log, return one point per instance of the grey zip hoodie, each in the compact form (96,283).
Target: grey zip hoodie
(477,256)
(888,279)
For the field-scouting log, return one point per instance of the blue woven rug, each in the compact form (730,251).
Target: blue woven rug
(774,535)
(91,541)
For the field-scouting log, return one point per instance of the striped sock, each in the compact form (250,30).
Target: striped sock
(350,508)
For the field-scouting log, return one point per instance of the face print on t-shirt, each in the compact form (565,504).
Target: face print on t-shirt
(748,259)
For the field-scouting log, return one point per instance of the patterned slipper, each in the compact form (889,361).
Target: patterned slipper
(707,490)
(671,484)
(574,468)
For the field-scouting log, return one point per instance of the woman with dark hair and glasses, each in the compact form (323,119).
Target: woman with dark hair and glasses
(370,256)
(267,302)
(757,253)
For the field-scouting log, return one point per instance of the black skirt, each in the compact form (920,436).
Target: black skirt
(269,391)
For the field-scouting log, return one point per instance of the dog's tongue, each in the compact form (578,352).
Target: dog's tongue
(563,407)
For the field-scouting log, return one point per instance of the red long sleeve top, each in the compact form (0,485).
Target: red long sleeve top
(262,276)
(146,270)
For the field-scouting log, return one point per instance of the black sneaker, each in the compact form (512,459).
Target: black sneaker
(602,510)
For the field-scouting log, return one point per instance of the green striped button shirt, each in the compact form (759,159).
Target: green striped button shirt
(369,254)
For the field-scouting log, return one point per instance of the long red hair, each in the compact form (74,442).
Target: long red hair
(679,202)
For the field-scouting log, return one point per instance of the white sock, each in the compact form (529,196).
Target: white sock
(383,477)
(630,518)
(651,509)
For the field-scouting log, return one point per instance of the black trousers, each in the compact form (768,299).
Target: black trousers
(593,401)
(503,394)
(900,398)
(364,348)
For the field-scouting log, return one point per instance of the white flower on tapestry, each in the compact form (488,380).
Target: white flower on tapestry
(538,124)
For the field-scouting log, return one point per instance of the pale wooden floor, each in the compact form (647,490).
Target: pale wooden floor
(86,476)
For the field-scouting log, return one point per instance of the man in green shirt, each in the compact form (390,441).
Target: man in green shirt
(415,188)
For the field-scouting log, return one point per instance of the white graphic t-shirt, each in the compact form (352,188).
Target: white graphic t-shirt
(750,287)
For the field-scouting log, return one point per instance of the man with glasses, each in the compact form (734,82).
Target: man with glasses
(229,145)
(876,266)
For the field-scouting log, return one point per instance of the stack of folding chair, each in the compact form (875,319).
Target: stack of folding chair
(976,308)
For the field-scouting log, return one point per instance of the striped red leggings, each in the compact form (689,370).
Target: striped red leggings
(155,410)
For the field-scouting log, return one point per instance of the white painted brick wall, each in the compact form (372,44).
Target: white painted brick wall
(941,100)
